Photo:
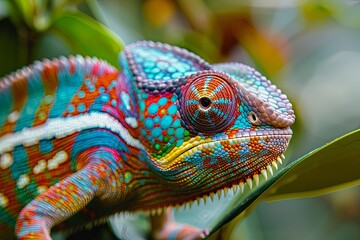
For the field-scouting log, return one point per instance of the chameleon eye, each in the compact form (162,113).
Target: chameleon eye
(207,102)
(253,118)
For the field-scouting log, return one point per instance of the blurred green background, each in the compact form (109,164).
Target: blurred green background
(309,48)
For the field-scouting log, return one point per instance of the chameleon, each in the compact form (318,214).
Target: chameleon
(81,140)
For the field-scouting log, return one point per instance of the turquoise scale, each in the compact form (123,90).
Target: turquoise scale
(159,63)
(166,122)
(45,146)
(20,165)
(155,62)
(35,92)
(68,85)
(6,101)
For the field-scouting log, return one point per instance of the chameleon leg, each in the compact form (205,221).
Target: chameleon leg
(59,202)
(164,227)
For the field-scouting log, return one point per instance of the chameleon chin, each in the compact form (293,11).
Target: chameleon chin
(81,140)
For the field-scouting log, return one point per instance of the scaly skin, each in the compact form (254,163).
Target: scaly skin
(80,141)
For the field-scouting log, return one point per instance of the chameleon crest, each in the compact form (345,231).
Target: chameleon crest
(80,140)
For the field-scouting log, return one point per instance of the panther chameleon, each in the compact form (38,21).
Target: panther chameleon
(81,140)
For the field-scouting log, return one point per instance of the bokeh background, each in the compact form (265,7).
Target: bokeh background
(309,48)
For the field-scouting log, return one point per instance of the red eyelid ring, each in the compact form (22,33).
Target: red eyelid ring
(208,102)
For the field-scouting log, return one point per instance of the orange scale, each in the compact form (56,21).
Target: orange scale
(254,127)
(72,67)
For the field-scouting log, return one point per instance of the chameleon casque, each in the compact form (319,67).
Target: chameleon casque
(81,140)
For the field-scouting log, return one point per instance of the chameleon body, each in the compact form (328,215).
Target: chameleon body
(81,140)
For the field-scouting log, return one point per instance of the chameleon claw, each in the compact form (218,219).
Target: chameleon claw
(205,233)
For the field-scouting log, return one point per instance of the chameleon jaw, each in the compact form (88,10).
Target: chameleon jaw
(239,187)
(250,172)
(197,144)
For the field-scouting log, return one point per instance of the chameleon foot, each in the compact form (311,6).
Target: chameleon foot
(33,231)
(165,227)
(180,232)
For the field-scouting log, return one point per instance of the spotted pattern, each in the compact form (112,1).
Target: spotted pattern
(70,89)
(161,125)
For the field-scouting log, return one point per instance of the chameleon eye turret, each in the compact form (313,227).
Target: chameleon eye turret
(207,102)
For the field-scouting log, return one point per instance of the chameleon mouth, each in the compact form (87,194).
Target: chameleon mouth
(238,187)
(255,173)
(197,144)
(209,145)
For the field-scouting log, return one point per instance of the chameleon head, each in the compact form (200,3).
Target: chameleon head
(211,128)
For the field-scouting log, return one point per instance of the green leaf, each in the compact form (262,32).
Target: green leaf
(328,168)
(331,167)
(26,10)
(88,37)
